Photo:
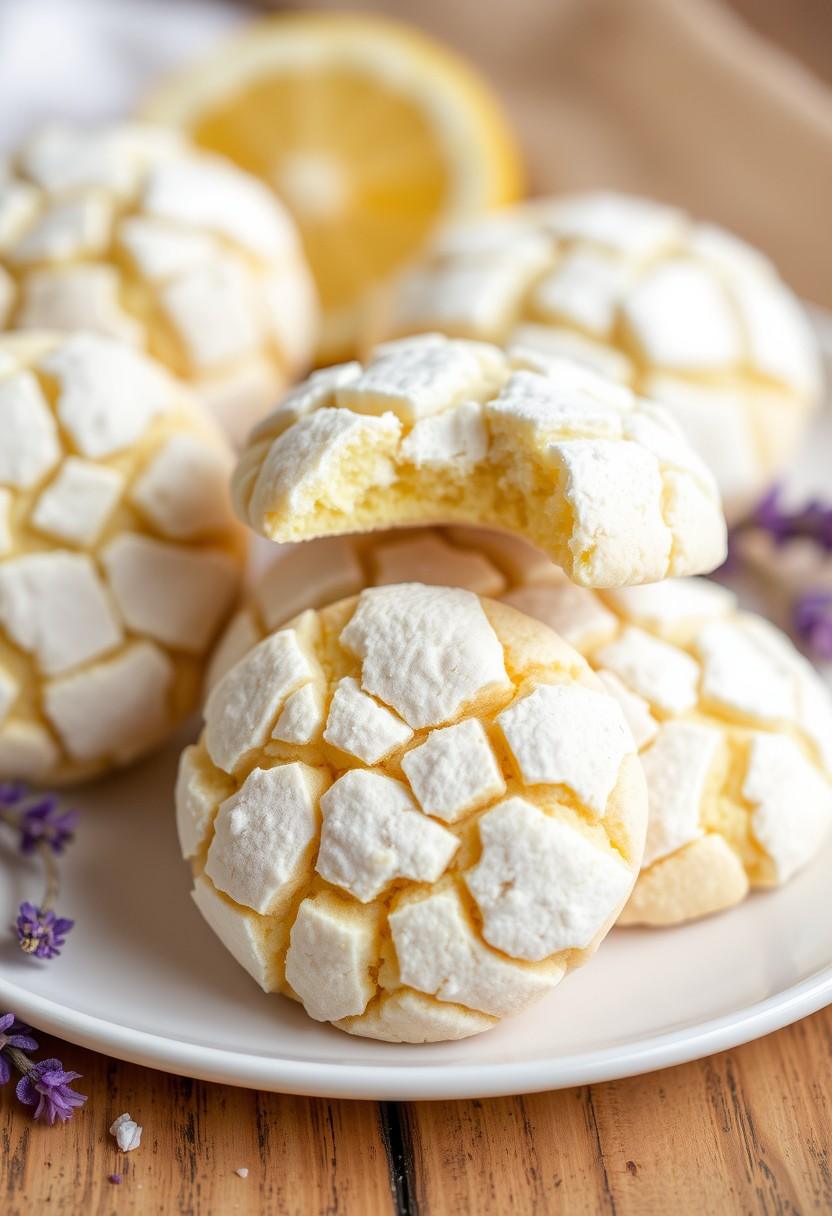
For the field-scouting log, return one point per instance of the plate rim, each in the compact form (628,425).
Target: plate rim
(419,1082)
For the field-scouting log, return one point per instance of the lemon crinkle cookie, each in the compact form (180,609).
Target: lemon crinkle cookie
(130,231)
(437,430)
(733,725)
(682,312)
(120,558)
(414,811)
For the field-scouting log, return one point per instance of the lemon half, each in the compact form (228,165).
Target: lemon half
(372,133)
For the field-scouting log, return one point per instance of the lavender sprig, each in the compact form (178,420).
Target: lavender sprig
(45,828)
(812,521)
(44,1084)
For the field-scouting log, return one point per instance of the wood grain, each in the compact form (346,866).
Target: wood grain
(303,1155)
(746,1132)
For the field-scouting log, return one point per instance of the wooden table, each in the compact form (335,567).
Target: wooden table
(748,1131)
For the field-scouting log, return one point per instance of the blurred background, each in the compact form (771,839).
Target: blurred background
(724,106)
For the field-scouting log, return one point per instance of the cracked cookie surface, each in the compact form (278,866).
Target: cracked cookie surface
(129,231)
(733,725)
(435,430)
(120,558)
(398,860)
(682,312)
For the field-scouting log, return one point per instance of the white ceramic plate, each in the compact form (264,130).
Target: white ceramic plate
(144,979)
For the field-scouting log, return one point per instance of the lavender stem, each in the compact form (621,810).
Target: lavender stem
(20,1060)
(52,887)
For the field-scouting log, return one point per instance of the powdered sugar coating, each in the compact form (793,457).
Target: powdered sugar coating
(659,673)
(129,231)
(697,681)
(108,394)
(29,445)
(677,766)
(360,725)
(454,770)
(359,899)
(115,709)
(183,489)
(455,438)
(791,800)
(567,735)
(242,708)
(262,832)
(416,380)
(302,716)
(426,652)
(331,953)
(76,504)
(442,954)
(54,606)
(439,430)
(168,592)
(374,833)
(541,886)
(113,581)
(678,310)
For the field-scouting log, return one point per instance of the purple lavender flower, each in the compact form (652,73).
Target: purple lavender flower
(813,620)
(44,1085)
(46,823)
(813,520)
(47,1084)
(13,1034)
(770,516)
(12,793)
(40,931)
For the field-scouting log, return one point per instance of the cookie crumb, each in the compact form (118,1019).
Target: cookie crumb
(128,1133)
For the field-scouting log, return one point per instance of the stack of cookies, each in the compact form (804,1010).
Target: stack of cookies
(526,480)
(483,706)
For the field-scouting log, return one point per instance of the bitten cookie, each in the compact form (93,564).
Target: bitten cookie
(434,430)
(130,231)
(120,558)
(414,812)
(733,725)
(682,312)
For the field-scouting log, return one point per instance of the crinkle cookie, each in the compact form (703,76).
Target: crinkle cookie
(682,312)
(733,725)
(130,231)
(434,430)
(414,812)
(120,558)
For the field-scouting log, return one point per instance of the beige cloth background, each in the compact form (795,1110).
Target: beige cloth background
(681,99)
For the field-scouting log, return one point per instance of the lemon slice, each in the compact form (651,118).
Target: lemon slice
(371,133)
